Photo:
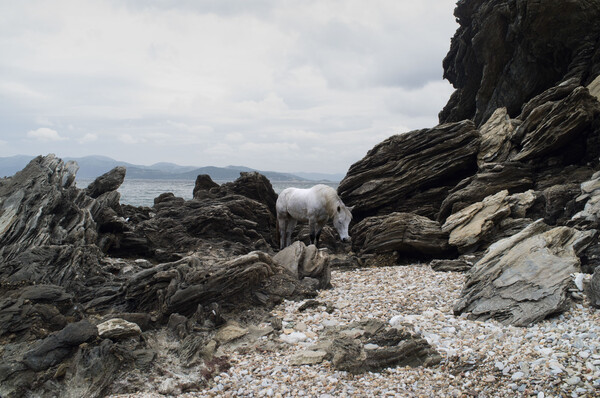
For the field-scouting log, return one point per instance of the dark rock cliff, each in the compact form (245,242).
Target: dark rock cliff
(506,52)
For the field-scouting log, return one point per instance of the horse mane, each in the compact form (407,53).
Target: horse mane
(332,198)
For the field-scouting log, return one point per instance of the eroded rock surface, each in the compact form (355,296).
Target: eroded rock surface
(524,278)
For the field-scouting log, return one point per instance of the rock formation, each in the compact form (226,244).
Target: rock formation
(523,123)
(506,52)
(524,278)
(92,290)
(69,256)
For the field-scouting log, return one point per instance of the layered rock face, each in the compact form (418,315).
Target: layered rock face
(506,52)
(519,141)
(71,259)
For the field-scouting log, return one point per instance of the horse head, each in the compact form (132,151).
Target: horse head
(341,220)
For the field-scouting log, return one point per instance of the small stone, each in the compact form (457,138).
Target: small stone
(307,357)
(118,328)
(572,381)
(230,332)
(293,338)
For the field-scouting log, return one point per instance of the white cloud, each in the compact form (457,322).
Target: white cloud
(45,134)
(257,81)
(89,137)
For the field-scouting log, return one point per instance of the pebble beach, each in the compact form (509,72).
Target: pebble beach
(558,357)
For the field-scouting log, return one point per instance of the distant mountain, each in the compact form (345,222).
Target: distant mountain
(93,166)
(337,177)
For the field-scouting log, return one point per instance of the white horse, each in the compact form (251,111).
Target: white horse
(317,205)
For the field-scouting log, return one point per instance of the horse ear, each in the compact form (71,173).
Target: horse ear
(350,208)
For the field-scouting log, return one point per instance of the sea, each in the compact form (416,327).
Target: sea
(141,192)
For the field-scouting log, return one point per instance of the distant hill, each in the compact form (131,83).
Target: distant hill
(93,166)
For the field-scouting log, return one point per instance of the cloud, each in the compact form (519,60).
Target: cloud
(89,137)
(130,139)
(268,82)
(45,134)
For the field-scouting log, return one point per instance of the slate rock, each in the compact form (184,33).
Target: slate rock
(525,278)
(456,265)
(407,234)
(506,52)
(490,179)
(308,357)
(592,290)
(230,332)
(411,172)
(203,184)
(305,261)
(109,181)
(117,329)
(558,126)
(55,348)
(255,186)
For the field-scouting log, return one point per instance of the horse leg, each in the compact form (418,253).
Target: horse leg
(291,224)
(282,223)
(313,228)
(318,230)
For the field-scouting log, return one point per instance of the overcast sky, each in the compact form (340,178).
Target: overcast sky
(284,85)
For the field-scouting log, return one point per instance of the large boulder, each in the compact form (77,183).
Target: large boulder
(411,172)
(558,127)
(305,261)
(407,234)
(525,278)
(482,221)
(255,186)
(109,181)
(490,179)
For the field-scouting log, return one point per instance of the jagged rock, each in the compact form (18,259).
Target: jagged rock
(408,234)
(179,287)
(47,231)
(95,368)
(506,52)
(411,172)
(117,329)
(203,184)
(592,290)
(180,226)
(369,346)
(525,278)
(495,145)
(590,195)
(36,309)
(53,349)
(594,88)
(107,182)
(557,126)
(548,98)
(475,224)
(490,179)
(255,186)
(305,261)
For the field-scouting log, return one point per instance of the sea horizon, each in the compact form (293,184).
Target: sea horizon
(142,192)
